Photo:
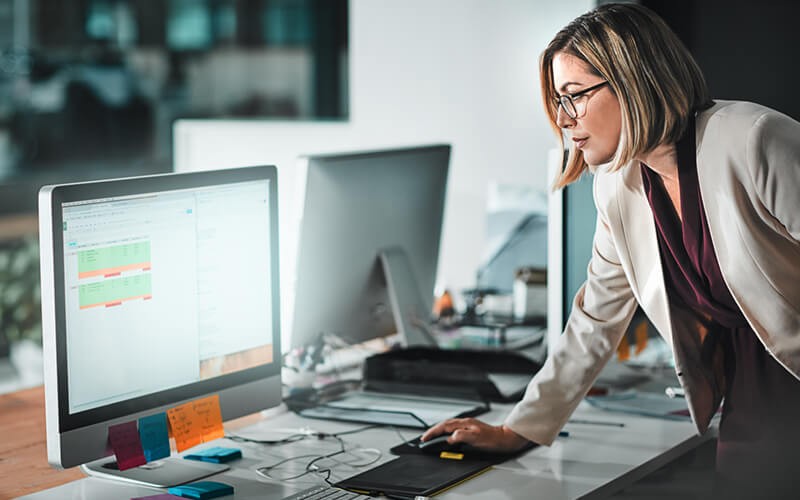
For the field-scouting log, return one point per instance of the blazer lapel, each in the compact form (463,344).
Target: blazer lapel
(641,244)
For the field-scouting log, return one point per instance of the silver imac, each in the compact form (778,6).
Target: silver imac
(156,290)
(369,244)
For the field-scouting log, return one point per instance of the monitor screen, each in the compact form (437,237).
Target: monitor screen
(157,290)
(369,241)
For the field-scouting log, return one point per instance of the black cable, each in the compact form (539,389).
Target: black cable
(355,431)
(269,442)
(264,471)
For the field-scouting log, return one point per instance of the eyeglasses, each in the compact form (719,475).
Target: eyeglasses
(568,104)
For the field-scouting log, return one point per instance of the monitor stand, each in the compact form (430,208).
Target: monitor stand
(410,312)
(160,473)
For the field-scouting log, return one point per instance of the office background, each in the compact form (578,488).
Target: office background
(465,72)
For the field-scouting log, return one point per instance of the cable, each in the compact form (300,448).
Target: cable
(270,442)
(402,437)
(355,431)
(266,471)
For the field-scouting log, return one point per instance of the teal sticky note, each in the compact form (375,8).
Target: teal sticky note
(216,455)
(154,436)
(202,490)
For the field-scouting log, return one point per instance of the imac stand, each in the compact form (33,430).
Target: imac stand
(410,312)
(161,473)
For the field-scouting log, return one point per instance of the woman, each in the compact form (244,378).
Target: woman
(698,223)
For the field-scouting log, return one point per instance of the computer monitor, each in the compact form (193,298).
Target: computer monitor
(156,291)
(369,244)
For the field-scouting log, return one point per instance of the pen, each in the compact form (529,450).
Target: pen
(595,422)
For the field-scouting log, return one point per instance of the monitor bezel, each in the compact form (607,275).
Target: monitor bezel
(67,193)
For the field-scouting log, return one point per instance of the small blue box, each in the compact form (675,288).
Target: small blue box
(202,490)
(215,455)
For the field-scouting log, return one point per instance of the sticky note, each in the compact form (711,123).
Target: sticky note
(127,447)
(210,417)
(196,422)
(217,455)
(202,490)
(184,425)
(154,436)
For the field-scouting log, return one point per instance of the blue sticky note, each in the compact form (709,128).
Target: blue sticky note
(154,436)
(215,455)
(202,490)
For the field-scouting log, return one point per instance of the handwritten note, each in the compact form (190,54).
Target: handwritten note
(184,425)
(126,444)
(196,422)
(210,418)
(154,436)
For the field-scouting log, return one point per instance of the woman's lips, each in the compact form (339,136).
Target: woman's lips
(580,141)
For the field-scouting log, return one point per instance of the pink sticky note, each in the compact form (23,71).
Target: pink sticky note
(127,445)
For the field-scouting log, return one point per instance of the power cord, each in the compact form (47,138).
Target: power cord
(311,467)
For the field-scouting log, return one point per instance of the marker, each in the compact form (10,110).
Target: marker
(563,434)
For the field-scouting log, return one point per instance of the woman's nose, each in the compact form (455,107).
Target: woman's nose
(562,118)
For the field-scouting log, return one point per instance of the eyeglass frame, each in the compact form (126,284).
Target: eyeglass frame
(570,98)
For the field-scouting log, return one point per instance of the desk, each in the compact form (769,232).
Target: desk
(593,462)
(23,456)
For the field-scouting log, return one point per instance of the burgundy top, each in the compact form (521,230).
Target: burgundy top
(760,428)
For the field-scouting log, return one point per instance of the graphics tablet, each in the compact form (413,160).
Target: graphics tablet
(412,475)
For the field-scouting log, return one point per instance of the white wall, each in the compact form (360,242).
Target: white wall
(421,71)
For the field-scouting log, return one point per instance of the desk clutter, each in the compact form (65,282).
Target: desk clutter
(190,424)
(419,386)
(498,376)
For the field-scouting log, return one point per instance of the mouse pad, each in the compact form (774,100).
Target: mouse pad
(470,452)
(412,475)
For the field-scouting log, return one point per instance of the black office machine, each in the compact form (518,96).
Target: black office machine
(461,373)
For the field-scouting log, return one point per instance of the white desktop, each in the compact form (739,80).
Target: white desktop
(155,291)
(370,229)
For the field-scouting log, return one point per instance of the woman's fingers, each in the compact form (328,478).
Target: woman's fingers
(462,429)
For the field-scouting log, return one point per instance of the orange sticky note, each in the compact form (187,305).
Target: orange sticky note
(185,426)
(209,417)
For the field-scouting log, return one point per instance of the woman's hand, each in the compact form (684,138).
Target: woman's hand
(497,438)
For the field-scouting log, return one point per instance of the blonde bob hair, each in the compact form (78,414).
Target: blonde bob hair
(657,81)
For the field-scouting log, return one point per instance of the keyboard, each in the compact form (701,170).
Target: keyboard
(325,492)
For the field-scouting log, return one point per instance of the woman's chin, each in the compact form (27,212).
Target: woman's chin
(595,160)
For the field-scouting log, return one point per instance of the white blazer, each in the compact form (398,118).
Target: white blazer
(748,162)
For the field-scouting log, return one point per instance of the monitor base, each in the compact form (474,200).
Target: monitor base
(161,473)
(411,313)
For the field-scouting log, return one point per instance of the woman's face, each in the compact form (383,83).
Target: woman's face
(596,129)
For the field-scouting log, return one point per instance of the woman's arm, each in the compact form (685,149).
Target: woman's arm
(601,312)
